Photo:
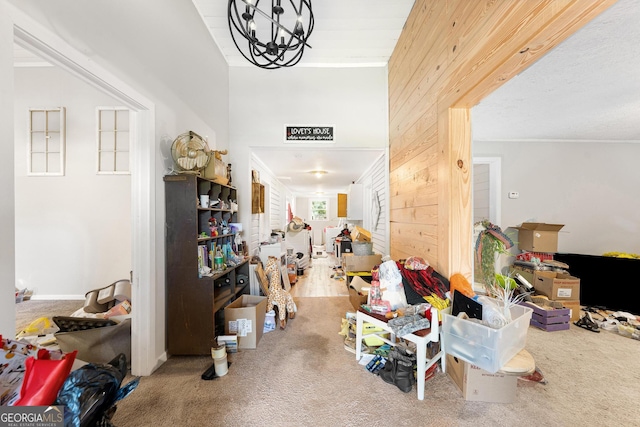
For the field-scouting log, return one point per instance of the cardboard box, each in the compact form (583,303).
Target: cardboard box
(351,262)
(574,307)
(557,286)
(244,317)
(538,236)
(359,234)
(479,385)
(357,295)
(525,272)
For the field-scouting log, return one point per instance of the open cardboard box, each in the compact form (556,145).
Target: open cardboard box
(358,292)
(359,234)
(244,317)
(557,286)
(538,236)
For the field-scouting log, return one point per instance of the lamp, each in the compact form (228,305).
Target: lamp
(271,39)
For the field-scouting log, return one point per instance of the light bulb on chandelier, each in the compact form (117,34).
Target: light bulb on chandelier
(273,39)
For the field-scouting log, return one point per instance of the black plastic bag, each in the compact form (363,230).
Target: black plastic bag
(90,393)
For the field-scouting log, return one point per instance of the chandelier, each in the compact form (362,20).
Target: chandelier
(273,38)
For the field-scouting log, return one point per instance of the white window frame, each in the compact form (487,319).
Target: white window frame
(47,111)
(115,151)
(319,199)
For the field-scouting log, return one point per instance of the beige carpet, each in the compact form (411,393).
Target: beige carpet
(30,310)
(303,376)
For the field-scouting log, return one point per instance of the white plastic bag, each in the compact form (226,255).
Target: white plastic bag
(391,285)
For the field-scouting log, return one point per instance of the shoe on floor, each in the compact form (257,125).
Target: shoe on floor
(587,323)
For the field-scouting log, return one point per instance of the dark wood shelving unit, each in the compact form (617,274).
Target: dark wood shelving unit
(194,303)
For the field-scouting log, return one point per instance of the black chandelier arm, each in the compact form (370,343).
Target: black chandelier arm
(280,57)
(282,27)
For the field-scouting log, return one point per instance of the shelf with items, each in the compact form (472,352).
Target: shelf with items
(195,301)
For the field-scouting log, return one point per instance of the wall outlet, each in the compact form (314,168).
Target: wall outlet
(514,194)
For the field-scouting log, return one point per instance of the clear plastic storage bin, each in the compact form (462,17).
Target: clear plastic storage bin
(485,347)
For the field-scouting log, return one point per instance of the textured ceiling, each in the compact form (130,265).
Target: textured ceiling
(586,89)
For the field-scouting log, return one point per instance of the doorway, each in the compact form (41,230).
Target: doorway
(143,247)
(486,183)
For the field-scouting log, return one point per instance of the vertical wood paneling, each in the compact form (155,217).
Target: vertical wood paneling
(450,55)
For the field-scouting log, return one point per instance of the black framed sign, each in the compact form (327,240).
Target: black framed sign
(308,133)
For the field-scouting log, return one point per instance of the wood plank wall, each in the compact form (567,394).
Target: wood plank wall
(450,55)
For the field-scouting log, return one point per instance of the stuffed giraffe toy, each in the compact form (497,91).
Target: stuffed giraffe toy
(278,296)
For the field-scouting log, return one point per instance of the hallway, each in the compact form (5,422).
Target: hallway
(317,280)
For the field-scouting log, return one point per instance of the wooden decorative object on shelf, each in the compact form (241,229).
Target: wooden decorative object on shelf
(257,198)
(217,169)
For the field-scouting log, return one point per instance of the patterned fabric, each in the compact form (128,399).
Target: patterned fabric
(424,282)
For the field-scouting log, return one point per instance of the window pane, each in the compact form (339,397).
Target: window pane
(38,163)
(107,141)
(53,146)
(53,121)
(107,120)
(122,141)
(123,119)
(53,164)
(38,142)
(37,120)
(122,161)
(106,162)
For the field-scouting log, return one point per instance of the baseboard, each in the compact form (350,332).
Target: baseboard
(58,297)
(159,362)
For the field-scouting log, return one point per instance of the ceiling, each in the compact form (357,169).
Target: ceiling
(292,167)
(586,89)
(346,32)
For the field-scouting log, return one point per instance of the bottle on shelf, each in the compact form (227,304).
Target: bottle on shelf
(218,260)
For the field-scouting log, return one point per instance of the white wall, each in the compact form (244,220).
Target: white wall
(375,182)
(7,213)
(258,229)
(590,187)
(73,233)
(353,100)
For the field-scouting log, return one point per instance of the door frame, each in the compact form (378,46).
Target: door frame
(32,36)
(495,186)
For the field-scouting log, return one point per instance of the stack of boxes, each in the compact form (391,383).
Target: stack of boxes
(542,240)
